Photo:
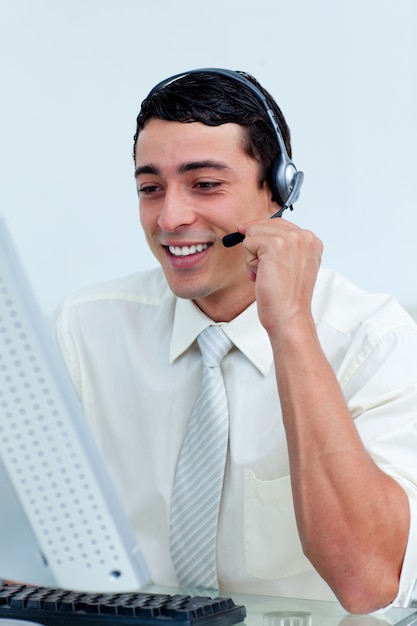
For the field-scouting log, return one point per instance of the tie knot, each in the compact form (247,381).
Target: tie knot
(214,345)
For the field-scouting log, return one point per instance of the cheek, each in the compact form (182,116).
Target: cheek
(148,218)
(149,223)
(232,260)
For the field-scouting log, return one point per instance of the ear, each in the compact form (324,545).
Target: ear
(273,205)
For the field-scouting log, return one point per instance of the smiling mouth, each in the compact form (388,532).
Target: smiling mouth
(188,250)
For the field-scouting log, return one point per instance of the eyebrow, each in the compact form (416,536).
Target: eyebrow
(146,169)
(200,165)
(185,167)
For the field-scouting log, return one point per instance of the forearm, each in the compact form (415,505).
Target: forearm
(352,518)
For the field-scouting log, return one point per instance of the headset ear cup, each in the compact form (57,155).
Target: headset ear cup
(282,180)
(277,180)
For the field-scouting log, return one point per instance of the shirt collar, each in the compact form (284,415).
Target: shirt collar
(245,331)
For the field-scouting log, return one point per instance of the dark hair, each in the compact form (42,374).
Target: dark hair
(215,99)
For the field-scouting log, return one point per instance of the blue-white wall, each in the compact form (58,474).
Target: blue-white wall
(73,73)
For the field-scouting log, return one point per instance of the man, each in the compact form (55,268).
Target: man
(319,493)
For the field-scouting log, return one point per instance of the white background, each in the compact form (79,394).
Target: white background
(73,74)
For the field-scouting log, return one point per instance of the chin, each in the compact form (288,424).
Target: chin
(188,291)
(189,294)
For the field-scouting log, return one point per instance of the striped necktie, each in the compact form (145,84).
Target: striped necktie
(200,471)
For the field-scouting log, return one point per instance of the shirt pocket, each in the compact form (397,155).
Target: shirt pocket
(272,545)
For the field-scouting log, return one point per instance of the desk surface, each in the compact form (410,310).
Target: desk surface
(273,611)
(267,611)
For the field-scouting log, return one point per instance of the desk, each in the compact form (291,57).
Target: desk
(272,611)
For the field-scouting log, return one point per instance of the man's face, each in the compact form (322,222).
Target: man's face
(196,184)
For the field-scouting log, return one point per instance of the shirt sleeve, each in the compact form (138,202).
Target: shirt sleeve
(381,392)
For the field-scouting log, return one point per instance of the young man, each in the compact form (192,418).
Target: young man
(319,489)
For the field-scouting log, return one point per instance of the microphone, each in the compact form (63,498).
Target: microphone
(234,238)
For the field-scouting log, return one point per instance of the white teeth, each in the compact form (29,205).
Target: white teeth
(187,250)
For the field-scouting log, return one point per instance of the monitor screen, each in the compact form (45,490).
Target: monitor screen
(61,520)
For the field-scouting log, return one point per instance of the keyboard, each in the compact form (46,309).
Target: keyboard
(58,607)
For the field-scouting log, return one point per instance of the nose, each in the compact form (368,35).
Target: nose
(176,210)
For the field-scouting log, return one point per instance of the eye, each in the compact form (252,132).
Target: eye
(207,184)
(148,190)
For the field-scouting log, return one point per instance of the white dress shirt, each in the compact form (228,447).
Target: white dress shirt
(130,346)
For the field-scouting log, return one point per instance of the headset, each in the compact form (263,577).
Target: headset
(285,180)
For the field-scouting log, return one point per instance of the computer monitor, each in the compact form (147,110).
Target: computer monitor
(61,521)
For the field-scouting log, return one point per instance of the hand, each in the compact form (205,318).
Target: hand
(284,261)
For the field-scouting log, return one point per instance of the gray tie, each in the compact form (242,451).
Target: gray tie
(200,471)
